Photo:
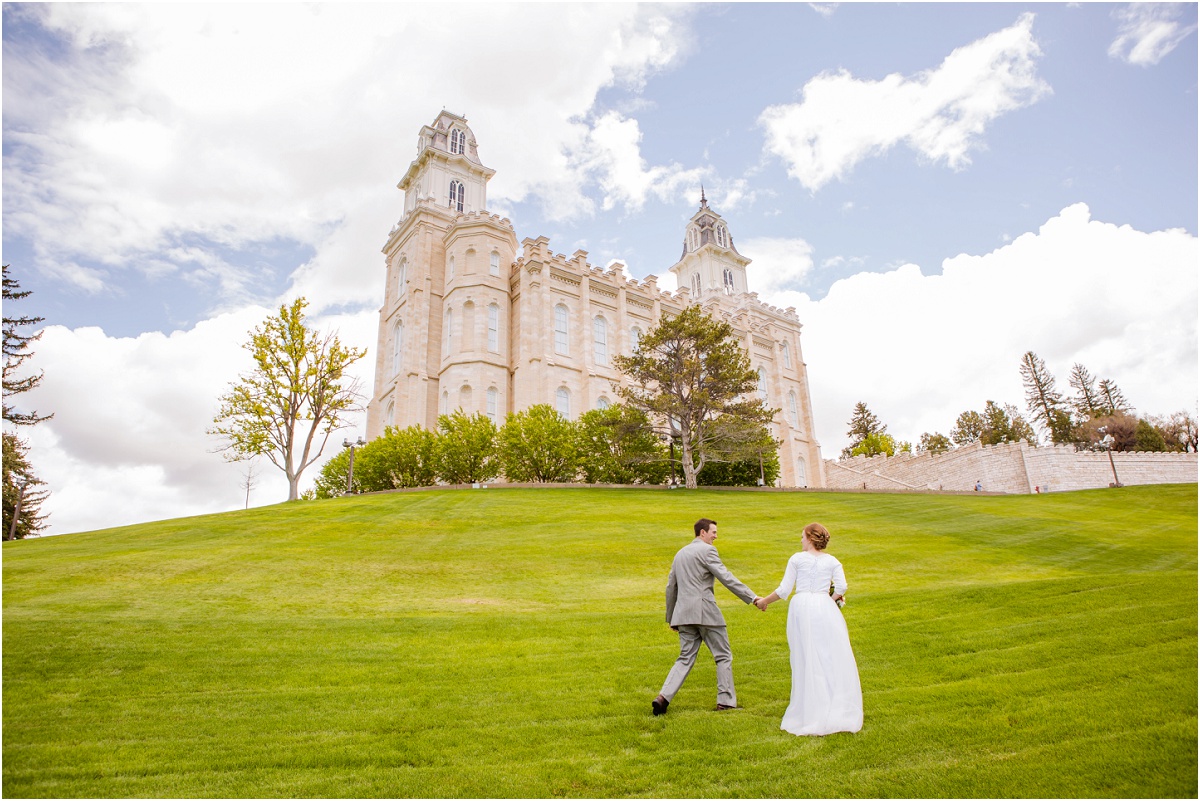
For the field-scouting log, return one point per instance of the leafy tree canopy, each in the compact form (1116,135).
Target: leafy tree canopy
(296,396)
(692,376)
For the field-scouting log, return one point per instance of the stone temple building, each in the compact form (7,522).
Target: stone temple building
(471,320)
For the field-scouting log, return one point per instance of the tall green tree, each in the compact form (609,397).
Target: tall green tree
(23,487)
(618,445)
(1044,401)
(467,451)
(1004,423)
(1087,401)
(16,351)
(1148,438)
(968,428)
(863,423)
(24,492)
(1114,401)
(538,444)
(293,400)
(934,443)
(692,376)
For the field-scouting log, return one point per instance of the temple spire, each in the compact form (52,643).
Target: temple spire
(703,199)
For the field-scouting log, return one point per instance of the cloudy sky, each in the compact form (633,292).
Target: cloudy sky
(936,188)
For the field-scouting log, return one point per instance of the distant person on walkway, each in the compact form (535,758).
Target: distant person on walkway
(826,694)
(692,611)
(979,486)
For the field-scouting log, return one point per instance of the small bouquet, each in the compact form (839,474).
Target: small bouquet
(840,601)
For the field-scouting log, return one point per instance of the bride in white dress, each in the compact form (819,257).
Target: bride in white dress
(826,694)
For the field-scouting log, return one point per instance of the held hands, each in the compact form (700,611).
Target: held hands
(761,603)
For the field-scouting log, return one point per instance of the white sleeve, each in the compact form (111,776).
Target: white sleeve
(789,581)
(839,579)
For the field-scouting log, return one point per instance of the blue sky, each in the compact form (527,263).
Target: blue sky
(935,187)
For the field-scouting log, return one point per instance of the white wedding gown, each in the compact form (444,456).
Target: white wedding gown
(826,694)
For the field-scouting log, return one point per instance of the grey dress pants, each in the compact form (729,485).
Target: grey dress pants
(717,641)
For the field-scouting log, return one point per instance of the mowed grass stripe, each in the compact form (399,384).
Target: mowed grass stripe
(507,642)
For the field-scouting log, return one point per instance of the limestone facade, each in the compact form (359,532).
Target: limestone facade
(1012,468)
(470,321)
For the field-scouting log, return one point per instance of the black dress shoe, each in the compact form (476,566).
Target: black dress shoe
(659,705)
(723,707)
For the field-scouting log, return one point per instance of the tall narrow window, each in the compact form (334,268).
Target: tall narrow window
(722,239)
(793,410)
(493,328)
(491,403)
(449,332)
(450,267)
(696,284)
(397,346)
(464,398)
(602,403)
(562,341)
(762,383)
(728,280)
(787,355)
(458,195)
(402,277)
(467,339)
(458,141)
(801,473)
(635,339)
(389,416)
(600,340)
(562,402)
(445,402)
(494,263)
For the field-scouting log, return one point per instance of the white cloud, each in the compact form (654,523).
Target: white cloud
(1149,31)
(942,113)
(612,150)
(778,263)
(824,9)
(919,349)
(168,124)
(127,442)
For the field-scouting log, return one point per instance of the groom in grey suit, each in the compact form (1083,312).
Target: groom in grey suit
(692,611)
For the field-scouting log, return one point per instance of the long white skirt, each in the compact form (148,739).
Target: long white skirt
(826,694)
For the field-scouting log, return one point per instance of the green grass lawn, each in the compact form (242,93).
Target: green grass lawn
(496,643)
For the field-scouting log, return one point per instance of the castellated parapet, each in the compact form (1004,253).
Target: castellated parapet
(1014,467)
(470,321)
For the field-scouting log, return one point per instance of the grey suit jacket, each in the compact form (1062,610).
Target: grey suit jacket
(690,600)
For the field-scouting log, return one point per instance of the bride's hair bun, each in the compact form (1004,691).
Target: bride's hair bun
(818,535)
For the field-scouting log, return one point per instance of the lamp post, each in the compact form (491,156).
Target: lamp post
(762,479)
(1107,442)
(350,473)
(20,482)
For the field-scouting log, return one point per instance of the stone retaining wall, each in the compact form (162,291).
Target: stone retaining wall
(1012,468)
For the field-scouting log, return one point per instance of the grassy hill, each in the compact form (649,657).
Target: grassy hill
(508,642)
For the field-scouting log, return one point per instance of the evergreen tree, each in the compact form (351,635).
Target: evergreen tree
(16,351)
(24,492)
(20,484)
(1087,401)
(1113,400)
(1043,399)
(1148,438)
(692,376)
(863,423)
